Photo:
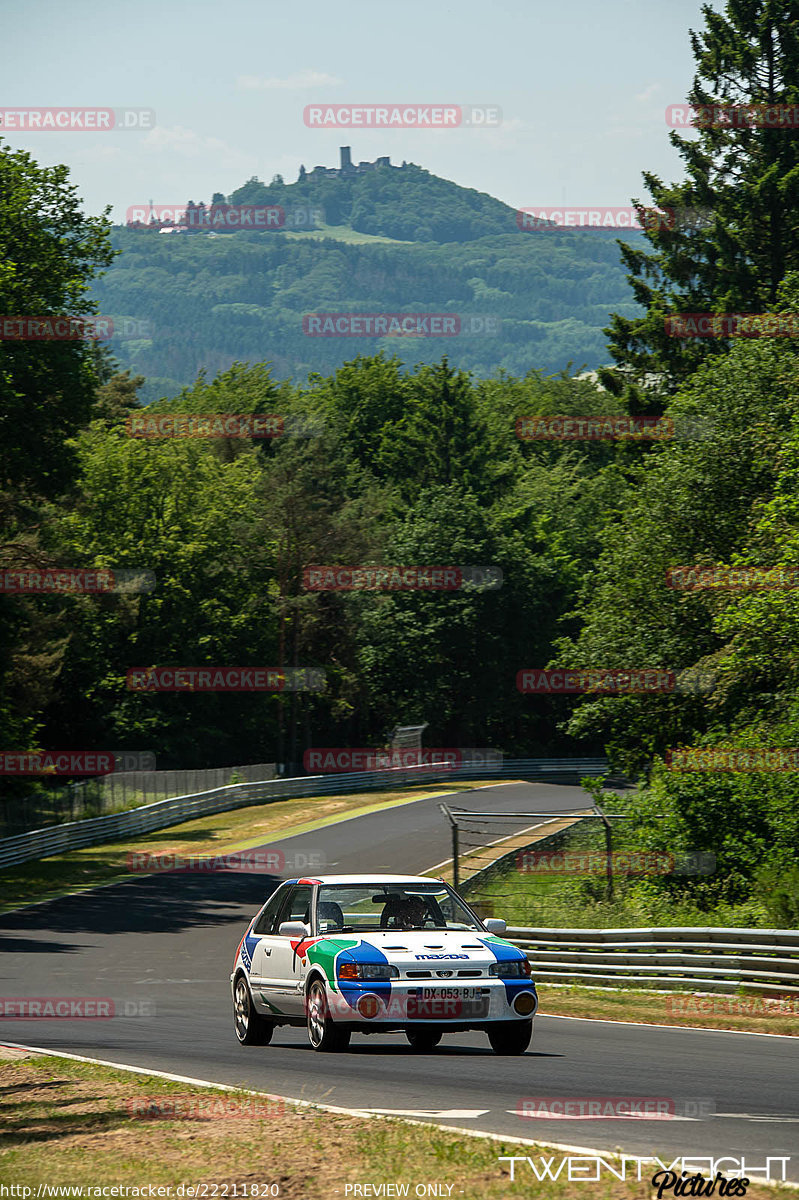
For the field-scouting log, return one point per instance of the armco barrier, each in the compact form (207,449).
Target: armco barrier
(58,839)
(668,958)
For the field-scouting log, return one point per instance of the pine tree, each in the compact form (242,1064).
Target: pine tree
(743,183)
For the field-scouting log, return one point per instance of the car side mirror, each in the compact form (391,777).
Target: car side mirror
(494,925)
(293,929)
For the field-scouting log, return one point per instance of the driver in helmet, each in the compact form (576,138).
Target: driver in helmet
(413,912)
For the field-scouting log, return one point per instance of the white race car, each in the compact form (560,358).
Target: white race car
(376,953)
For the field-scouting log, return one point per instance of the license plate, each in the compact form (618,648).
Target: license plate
(442,1004)
(450,993)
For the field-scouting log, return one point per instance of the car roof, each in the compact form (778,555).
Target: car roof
(371,879)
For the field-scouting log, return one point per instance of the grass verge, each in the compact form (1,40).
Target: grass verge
(746,1013)
(74,1124)
(218,833)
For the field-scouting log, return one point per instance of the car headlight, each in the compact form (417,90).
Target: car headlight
(517,968)
(362,970)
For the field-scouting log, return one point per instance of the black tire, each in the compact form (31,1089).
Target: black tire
(423,1039)
(510,1037)
(323,1033)
(251,1028)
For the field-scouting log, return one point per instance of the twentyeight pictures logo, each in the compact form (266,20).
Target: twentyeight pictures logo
(402,116)
(75,120)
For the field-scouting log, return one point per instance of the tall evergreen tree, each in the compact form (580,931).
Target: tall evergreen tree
(743,179)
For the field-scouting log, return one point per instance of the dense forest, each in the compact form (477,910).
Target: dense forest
(409,462)
(208,301)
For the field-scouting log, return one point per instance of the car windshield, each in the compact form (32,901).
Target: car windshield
(368,907)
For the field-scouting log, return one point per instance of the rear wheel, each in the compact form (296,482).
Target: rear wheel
(510,1037)
(251,1028)
(423,1039)
(323,1034)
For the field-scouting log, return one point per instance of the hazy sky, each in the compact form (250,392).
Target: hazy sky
(582,87)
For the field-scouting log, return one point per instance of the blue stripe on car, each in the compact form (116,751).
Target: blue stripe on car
(504,952)
(351,989)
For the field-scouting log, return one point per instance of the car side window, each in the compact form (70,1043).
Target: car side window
(267,922)
(299,905)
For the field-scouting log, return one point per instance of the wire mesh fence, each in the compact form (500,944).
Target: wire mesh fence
(512,864)
(50,804)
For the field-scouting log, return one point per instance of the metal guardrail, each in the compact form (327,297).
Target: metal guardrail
(670,957)
(58,839)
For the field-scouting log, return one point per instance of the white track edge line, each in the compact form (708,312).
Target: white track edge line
(679,1028)
(350,1112)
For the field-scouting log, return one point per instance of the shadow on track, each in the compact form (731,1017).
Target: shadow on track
(165,903)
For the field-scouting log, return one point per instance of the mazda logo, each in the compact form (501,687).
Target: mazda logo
(443,974)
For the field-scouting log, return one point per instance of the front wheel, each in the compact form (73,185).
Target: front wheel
(251,1028)
(510,1037)
(323,1034)
(422,1039)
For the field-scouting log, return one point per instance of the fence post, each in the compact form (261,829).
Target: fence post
(608,849)
(444,808)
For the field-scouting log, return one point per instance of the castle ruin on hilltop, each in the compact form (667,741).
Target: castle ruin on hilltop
(347,168)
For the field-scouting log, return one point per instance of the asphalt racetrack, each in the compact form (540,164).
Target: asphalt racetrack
(163,946)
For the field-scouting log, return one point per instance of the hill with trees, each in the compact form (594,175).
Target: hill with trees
(413,462)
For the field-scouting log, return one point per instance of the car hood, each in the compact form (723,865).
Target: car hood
(436,949)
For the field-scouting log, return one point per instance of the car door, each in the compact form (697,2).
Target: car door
(276,962)
(261,946)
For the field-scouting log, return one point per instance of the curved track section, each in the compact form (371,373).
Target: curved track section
(162,946)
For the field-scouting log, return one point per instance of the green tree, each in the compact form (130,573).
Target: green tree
(745,177)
